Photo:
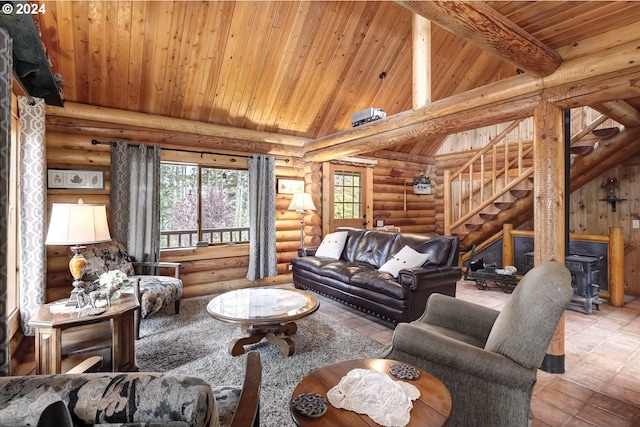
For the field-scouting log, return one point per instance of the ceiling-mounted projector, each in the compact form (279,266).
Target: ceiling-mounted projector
(367,115)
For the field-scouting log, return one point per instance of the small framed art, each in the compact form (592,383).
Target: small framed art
(290,186)
(75,179)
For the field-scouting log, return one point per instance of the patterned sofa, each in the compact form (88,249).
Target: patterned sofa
(110,399)
(155,291)
(130,399)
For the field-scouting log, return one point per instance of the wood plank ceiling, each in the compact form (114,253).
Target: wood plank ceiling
(296,68)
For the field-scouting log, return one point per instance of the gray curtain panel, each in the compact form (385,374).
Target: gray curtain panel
(262,217)
(33,209)
(6,65)
(135,199)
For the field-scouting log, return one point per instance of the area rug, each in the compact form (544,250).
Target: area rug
(193,343)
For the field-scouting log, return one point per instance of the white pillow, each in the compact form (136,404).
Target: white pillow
(406,258)
(332,245)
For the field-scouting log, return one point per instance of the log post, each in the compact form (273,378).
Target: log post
(616,267)
(507,244)
(421,61)
(548,213)
(446,195)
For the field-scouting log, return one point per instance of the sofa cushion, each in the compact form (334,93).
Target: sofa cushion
(332,245)
(353,240)
(405,258)
(374,247)
(311,263)
(382,283)
(343,270)
(437,247)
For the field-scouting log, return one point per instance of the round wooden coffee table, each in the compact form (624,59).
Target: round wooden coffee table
(431,409)
(264,312)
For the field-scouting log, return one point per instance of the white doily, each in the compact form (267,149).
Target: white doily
(385,401)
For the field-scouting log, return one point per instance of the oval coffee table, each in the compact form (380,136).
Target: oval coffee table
(264,312)
(431,409)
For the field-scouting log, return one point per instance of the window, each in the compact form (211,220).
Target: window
(203,204)
(347,194)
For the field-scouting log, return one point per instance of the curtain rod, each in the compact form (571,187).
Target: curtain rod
(182,150)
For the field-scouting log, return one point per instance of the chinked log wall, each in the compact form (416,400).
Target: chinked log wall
(204,270)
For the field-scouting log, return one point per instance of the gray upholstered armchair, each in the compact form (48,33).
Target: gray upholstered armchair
(488,359)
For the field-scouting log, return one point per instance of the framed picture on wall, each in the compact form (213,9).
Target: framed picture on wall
(75,179)
(290,186)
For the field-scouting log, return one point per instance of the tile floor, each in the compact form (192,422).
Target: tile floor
(601,383)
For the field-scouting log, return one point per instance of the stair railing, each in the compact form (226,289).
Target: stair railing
(475,198)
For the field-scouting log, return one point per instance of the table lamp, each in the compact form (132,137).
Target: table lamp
(77,224)
(302,202)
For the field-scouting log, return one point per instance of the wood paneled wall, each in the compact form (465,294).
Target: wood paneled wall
(590,215)
(204,270)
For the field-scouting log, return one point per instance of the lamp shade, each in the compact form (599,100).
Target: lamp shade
(77,224)
(302,202)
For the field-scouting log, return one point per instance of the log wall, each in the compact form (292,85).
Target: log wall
(204,270)
(393,200)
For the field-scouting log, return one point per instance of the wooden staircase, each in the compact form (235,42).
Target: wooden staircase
(496,185)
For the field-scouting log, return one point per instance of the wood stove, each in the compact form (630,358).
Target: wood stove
(585,278)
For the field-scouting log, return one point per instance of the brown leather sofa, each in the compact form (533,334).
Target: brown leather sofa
(354,279)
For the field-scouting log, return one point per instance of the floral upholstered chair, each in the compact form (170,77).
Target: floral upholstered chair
(154,292)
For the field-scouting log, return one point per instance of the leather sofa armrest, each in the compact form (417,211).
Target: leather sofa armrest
(420,278)
(307,251)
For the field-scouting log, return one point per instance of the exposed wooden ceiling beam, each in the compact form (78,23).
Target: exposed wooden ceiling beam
(620,111)
(600,74)
(132,118)
(480,24)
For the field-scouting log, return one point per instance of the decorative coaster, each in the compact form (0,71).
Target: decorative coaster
(310,405)
(404,372)
(93,311)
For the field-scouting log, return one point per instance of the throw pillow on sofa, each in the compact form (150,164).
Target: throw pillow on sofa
(406,258)
(332,245)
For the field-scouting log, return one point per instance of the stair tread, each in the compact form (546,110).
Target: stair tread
(520,192)
(502,205)
(606,133)
(581,150)
(472,226)
(488,216)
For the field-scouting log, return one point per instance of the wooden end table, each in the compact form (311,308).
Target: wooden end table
(431,409)
(263,312)
(61,336)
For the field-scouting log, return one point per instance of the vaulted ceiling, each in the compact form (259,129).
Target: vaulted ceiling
(295,68)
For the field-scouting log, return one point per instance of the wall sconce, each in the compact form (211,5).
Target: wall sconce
(611,185)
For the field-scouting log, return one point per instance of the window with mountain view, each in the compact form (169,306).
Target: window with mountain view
(202,204)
